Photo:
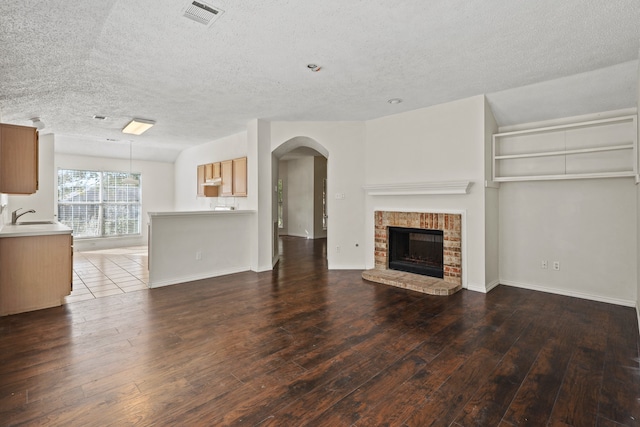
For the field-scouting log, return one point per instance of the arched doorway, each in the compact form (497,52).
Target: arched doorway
(300,205)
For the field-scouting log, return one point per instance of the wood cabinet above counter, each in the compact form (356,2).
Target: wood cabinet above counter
(227,178)
(18,159)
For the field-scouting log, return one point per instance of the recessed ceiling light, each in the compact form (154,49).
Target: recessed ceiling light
(138,126)
(394,101)
(97,117)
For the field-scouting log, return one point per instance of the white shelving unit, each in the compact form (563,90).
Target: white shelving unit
(606,148)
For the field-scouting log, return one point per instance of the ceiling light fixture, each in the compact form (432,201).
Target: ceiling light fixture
(37,123)
(98,117)
(314,67)
(138,126)
(130,180)
(200,12)
(394,101)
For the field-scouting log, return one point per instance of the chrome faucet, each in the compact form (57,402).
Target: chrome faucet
(15,215)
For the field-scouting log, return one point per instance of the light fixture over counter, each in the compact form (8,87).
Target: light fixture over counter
(138,126)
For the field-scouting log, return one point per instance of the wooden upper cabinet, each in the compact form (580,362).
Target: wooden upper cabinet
(200,190)
(233,174)
(204,173)
(240,177)
(18,159)
(212,171)
(226,189)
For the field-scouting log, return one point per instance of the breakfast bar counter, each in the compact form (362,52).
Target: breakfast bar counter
(193,245)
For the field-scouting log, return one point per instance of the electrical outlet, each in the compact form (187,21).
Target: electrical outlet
(544,265)
(198,256)
(556,265)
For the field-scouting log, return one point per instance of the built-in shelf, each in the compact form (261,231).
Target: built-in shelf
(565,152)
(605,148)
(418,188)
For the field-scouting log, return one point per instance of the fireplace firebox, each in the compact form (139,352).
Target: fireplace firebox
(416,250)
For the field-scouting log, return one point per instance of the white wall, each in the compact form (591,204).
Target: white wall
(192,246)
(638,214)
(589,226)
(304,179)
(300,197)
(441,143)
(44,200)
(283,173)
(157,191)
(261,177)
(491,205)
(186,173)
(344,142)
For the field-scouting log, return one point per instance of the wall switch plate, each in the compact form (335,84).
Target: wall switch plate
(556,265)
(198,256)
(338,249)
(340,196)
(544,265)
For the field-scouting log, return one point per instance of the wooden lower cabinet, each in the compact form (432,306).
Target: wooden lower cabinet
(35,272)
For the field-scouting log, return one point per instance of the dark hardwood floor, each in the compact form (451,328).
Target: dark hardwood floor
(306,346)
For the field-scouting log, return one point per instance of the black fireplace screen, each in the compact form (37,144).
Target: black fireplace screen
(416,250)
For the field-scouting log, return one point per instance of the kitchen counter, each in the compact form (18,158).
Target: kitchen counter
(194,245)
(33,229)
(200,213)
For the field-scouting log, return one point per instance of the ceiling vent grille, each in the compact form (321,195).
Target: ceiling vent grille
(202,13)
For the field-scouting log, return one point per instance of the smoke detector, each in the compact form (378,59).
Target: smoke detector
(201,12)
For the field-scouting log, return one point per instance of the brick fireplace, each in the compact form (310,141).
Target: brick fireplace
(451,226)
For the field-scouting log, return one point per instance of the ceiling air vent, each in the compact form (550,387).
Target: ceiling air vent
(202,13)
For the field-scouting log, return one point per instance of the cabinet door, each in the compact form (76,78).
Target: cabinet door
(208,172)
(18,159)
(200,191)
(227,178)
(216,170)
(240,177)
(206,190)
(26,285)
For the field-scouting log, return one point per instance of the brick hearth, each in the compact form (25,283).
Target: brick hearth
(449,224)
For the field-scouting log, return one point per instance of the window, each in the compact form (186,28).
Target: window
(98,204)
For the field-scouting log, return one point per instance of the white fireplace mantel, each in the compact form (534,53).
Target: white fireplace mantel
(418,188)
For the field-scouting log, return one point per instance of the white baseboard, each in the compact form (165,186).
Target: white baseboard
(565,292)
(476,288)
(482,288)
(177,280)
(492,285)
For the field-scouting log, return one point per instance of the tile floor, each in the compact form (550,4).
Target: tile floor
(108,272)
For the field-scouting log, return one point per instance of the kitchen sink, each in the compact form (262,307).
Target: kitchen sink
(36,222)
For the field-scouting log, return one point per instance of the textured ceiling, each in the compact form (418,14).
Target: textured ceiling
(66,61)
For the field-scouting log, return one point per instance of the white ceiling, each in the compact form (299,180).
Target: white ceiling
(66,61)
